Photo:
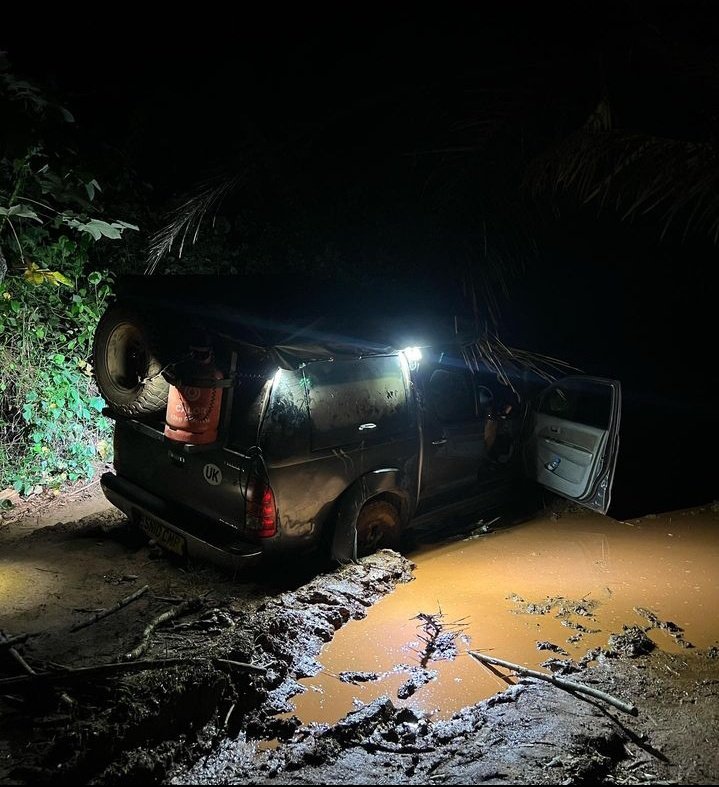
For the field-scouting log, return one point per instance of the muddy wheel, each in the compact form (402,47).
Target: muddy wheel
(378,527)
(128,362)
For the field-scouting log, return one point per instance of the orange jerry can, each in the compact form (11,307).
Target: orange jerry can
(193,407)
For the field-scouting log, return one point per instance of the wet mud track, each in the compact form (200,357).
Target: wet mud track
(229,662)
(193,711)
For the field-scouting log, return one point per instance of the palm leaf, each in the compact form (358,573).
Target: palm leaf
(635,174)
(185,221)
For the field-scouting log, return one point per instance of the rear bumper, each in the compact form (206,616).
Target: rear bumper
(204,540)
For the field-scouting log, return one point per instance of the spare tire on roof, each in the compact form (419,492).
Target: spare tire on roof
(128,361)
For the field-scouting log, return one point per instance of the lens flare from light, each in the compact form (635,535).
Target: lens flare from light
(412,354)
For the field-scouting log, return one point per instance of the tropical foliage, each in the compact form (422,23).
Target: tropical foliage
(52,292)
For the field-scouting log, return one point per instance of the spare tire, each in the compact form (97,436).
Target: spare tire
(128,361)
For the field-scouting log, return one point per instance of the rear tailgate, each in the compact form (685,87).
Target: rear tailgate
(210,481)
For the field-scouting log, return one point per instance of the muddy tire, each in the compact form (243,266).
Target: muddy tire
(128,361)
(378,527)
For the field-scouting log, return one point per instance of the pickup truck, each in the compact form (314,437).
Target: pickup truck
(331,429)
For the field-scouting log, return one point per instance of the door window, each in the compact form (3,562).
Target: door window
(580,401)
(451,396)
(351,401)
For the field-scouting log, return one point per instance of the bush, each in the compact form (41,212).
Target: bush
(51,294)
(51,427)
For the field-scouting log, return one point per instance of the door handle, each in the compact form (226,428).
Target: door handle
(439,442)
(362,427)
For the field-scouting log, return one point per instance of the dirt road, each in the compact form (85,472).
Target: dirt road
(209,693)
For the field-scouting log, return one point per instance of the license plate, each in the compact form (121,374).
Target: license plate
(162,534)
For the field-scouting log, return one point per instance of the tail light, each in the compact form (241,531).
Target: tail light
(260,509)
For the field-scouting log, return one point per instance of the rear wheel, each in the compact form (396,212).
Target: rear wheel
(127,361)
(378,527)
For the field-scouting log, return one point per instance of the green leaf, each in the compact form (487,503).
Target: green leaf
(57,278)
(91,187)
(95,277)
(21,211)
(59,360)
(99,228)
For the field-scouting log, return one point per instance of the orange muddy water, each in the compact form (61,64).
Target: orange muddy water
(601,568)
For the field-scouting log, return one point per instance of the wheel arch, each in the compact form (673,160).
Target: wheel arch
(386,484)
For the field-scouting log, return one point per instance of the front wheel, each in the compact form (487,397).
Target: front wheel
(378,527)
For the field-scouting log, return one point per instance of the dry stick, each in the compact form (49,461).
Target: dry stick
(561,683)
(9,642)
(181,609)
(75,673)
(24,666)
(120,604)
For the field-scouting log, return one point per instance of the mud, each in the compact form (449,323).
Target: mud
(199,716)
(532,733)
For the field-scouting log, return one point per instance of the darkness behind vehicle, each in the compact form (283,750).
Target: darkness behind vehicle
(330,433)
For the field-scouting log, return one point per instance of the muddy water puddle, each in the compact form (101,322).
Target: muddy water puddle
(548,580)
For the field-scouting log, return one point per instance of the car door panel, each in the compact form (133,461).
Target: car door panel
(567,454)
(453,435)
(575,439)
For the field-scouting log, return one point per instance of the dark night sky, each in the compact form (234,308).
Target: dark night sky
(179,91)
(358,91)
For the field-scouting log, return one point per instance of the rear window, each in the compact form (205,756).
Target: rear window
(247,398)
(351,401)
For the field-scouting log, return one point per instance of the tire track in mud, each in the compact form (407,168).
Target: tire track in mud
(135,728)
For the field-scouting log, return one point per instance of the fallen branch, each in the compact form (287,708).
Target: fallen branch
(6,641)
(78,673)
(9,642)
(561,683)
(105,612)
(181,609)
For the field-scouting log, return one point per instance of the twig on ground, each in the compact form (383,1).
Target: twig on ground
(24,666)
(82,488)
(120,604)
(433,626)
(181,609)
(9,642)
(561,683)
(78,673)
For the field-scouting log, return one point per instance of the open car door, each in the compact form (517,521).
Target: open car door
(574,440)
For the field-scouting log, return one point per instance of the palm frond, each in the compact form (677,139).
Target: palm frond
(508,362)
(635,174)
(185,221)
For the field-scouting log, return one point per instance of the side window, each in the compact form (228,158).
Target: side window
(450,395)
(356,400)
(583,402)
(286,425)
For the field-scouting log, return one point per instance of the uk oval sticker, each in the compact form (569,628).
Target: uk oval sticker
(212,474)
